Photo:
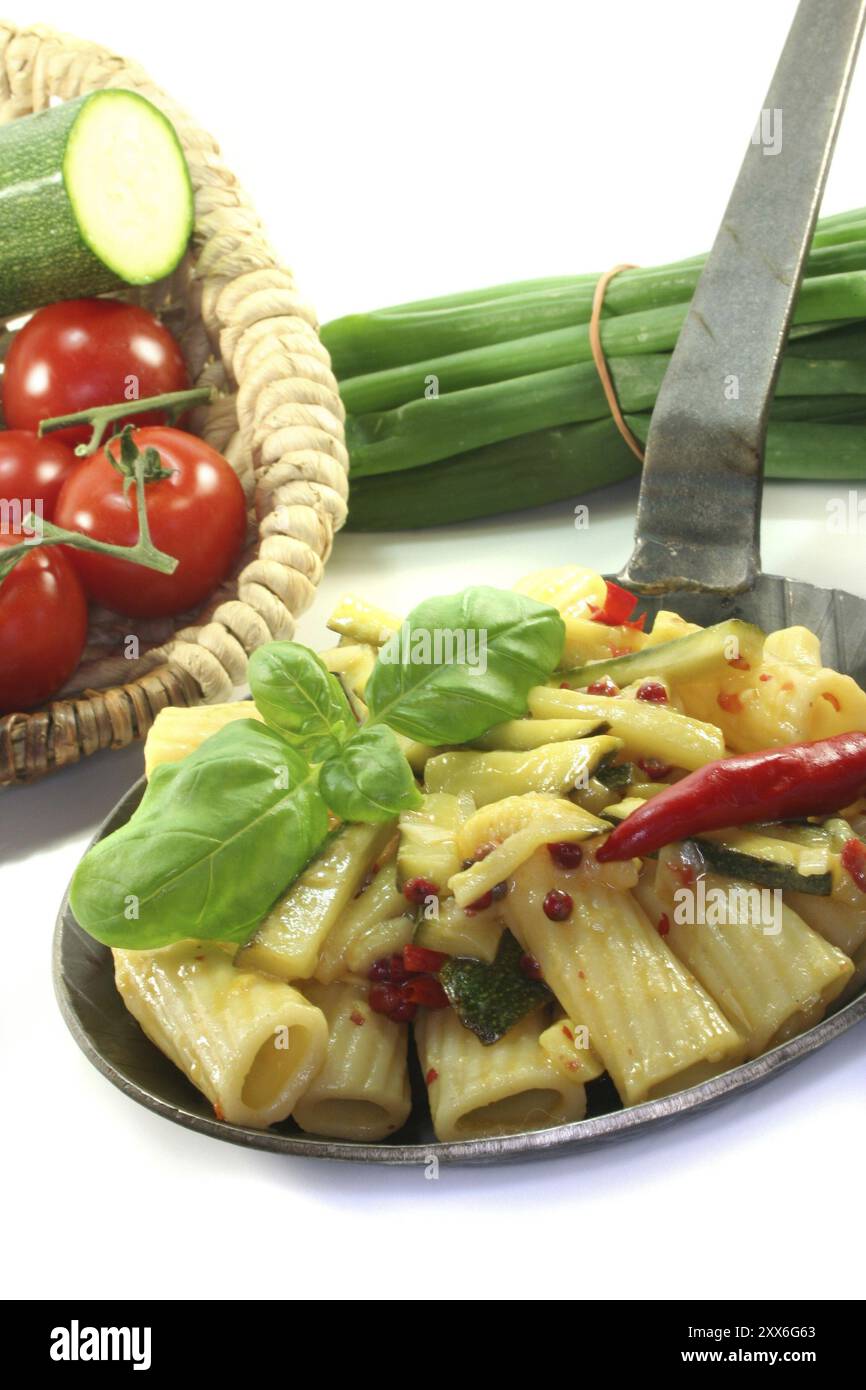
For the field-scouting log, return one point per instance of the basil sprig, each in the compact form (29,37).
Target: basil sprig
(508,644)
(215,840)
(220,834)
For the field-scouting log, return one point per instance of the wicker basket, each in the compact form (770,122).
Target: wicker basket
(276,416)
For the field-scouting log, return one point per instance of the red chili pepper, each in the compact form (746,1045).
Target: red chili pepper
(803,779)
(619,605)
(417,960)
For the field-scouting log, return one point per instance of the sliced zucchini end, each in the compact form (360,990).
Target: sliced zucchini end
(129,186)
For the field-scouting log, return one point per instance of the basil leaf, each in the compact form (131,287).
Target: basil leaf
(490,999)
(370,779)
(297,695)
(217,837)
(463,663)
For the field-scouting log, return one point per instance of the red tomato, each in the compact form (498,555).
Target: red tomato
(86,352)
(43,626)
(33,470)
(197,514)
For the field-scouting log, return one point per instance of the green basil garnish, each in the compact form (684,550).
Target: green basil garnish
(216,839)
(370,779)
(508,644)
(296,694)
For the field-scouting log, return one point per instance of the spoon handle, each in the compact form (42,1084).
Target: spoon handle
(698,521)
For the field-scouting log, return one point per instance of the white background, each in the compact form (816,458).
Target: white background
(397,151)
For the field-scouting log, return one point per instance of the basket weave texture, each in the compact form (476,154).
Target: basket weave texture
(276,415)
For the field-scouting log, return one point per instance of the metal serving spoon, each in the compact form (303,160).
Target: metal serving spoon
(697,551)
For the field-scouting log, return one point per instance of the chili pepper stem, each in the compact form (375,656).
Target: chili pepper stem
(143,553)
(101,416)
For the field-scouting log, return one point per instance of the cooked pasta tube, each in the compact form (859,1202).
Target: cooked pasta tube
(654,1027)
(506,1088)
(177,731)
(380,901)
(362,1091)
(252,1045)
(770,973)
(646,730)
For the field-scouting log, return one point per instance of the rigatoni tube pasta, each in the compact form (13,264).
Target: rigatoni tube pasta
(652,1024)
(251,1044)
(506,1088)
(362,1091)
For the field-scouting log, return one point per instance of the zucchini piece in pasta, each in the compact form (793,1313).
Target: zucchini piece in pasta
(289,941)
(654,1027)
(362,1091)
(380,901)
(508,1087)
(554,767)
(252,1045)
(770,973)
(645,730)
(428,839)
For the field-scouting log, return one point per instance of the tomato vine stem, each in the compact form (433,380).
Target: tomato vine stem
(174,403)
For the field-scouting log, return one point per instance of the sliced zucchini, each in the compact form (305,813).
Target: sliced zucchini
(519,735)
(428,840)
(616,775)
(490,999)
(646,731)
(696,657)
(455,933)
(289,941)
(554,767)
(93,193)
(620,810)
(378,902)
(770,863)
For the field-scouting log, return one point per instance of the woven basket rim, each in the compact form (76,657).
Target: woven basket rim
(276,416)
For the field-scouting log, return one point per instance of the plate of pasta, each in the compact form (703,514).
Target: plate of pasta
(521,870)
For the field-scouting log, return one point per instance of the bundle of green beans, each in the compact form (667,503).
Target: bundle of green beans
(488,401)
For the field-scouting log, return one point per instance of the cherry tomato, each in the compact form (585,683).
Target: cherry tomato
(43,626)
(33,470)
(197,514)
(86,352)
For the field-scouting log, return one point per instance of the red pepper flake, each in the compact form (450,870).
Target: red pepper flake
(564,685)
(431,1076)
(685,873)
(619,651)
(568,1033)
(730,702)
(425,991)
(199,957)
(637,623)
(619,605)
(828,695)
(765,676)
(654,768)
(530,967)
(416,890)
(573,1066)
(787,685)
(580,975)
(603,686)
(565,855)
(480,904)
(357,1017)
(218,1110)
(854,861)
(653,692)
(417,960)
(663,925)
(739,662)
(558,906)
